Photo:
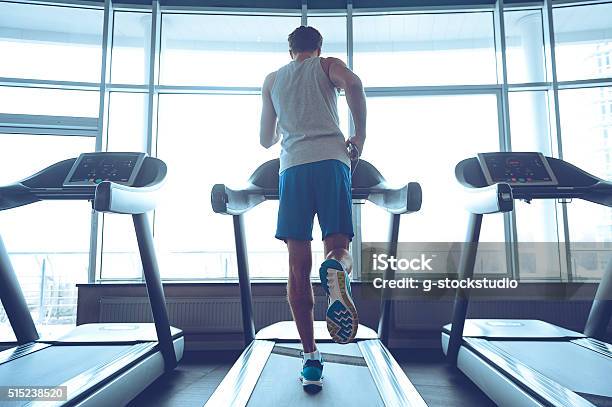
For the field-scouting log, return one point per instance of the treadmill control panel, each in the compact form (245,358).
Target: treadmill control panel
(91,169)
(516,168)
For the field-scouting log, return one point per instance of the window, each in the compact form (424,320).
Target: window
(412,144)
(529,121)
(48,242)
(536,223)
(223,50)
(25,160)
(211,67)
(51,102)
(524,46)
(425,49)
(420,147)
(52,43)
(583,41)
(333,30)
(584,129)
(206,140)
(126,132)
(131,47)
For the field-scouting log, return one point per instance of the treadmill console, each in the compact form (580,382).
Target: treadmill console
(520,169)
(91,169)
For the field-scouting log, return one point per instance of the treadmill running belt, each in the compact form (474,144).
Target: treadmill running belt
(327,357)
(343,385)
(574,367)
(55,365)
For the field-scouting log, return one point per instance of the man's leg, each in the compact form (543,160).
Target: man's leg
(299,291)
(336,247)
(341,315)
(334,211)
(301,299)
(295,216)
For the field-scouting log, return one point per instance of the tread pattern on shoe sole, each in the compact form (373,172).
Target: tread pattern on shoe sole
(341,316)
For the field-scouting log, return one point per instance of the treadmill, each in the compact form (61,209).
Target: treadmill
(266,374)
(529,362)
(95,364)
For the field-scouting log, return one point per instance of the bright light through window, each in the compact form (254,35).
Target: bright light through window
(587,129)
(126,132)
(333,30)
(52,102)
(524,46)
(422,148)
(213,138)
(53,43)
(205,143)
(131,45)
(222,50)
(425,49)
(536,222)
(48,267)
(583,41)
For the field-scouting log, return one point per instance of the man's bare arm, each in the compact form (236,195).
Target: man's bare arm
(344,78)
(268,134)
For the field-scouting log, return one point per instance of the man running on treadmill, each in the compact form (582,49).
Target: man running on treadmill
(300,105)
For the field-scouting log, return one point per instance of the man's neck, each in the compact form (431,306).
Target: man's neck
(302,56)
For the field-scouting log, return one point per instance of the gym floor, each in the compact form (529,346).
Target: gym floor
(199,374)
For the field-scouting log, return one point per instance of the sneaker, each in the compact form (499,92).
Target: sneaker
(312,375)
(342,320)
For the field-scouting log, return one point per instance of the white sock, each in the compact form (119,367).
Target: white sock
(316,355)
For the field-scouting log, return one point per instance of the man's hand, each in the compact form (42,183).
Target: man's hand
(354,147)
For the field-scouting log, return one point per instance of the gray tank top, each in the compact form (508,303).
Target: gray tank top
(306,104)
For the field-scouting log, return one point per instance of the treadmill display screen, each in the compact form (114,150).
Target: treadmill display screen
(94,168)
(517,168)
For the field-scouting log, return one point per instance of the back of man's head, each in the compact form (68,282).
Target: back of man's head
(305,39)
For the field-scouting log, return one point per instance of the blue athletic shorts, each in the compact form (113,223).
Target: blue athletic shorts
(322,188)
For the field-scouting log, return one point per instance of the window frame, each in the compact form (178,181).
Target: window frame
(152,88)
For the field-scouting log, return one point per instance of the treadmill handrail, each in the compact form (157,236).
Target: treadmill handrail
(368,184)
(491,199)
(573,182)
(107,196)
(228,201)
(116,198)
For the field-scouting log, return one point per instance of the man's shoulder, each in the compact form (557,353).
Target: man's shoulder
(331,60)
(269,81)
(327,62)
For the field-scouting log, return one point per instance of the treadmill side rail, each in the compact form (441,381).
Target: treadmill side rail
(11,354)
(595,345)
(236,388)
(532,381)
(393,385)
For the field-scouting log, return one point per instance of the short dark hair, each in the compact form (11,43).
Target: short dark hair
(305,39)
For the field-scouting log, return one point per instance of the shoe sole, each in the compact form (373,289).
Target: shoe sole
(311,386)
(341,316)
